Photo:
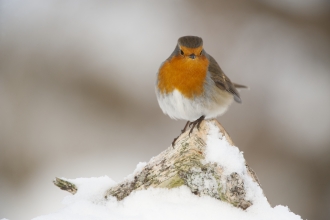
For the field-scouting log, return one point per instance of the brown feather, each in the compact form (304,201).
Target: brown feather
(221,80)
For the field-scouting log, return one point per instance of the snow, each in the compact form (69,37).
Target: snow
(89,189)
(218,150)
(227,156)
(151,204)
(178,203)
(138,169)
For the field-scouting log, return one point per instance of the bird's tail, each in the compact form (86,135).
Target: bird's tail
(238,86)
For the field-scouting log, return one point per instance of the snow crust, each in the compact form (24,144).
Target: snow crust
(178,203)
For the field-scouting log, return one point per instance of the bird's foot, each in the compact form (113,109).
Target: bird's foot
(182,131)
(196,122)
(188,124)
(173,142)
(185,127)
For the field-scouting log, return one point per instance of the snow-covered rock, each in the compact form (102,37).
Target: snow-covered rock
(217,185)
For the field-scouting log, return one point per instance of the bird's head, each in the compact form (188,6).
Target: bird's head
(190,47)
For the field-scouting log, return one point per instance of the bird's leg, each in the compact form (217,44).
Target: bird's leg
(173,142)
(196,122)
(182,131)
(185,127)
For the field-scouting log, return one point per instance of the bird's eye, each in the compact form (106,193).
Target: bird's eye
(201,52)
(181,52)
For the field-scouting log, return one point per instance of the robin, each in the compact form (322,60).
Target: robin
(191,85)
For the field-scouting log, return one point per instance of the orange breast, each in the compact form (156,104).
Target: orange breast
(184,74)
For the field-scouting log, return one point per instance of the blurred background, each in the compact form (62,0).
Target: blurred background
(77,93)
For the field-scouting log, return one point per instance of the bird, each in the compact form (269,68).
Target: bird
(190,85)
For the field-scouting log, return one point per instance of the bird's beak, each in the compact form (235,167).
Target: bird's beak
(192,56)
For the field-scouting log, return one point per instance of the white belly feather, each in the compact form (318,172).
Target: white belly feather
(212,103)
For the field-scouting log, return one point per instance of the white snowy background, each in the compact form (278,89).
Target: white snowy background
(77,93)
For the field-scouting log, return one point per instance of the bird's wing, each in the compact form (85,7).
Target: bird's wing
(222,81)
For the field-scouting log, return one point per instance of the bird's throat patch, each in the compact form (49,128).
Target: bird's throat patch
(184,74)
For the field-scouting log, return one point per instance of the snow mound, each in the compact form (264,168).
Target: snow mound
(152,204)
(178,203)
